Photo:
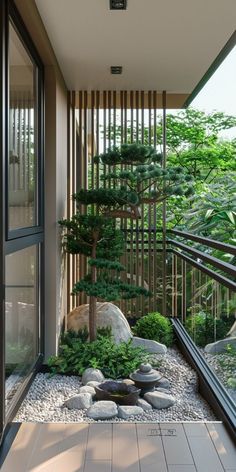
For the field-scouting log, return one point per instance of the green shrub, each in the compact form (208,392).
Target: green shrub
(70,336)
(114,360)
(202,328)
(155,326)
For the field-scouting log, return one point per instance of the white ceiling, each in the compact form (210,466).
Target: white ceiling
(161,44)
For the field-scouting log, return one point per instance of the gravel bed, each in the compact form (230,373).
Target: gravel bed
(44,401)
(224,367)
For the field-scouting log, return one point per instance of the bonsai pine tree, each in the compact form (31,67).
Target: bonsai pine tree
(137,178)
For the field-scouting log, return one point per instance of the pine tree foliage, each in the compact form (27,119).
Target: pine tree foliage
(137,177)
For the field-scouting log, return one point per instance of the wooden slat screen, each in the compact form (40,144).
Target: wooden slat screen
(101,120)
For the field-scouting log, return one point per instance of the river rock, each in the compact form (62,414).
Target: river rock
(163,383)
(88,389)
(92,374)
(92,383)
(159,400)
(150,345)
(102,410)
(144,405)
(79,402)
(125,411)
(108,314)
(128,381)
(220,346)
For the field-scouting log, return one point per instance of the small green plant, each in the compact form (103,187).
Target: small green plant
(204,328)
(155,326)
(114,360)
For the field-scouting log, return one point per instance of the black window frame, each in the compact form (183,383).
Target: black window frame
(14,240)
(19,27)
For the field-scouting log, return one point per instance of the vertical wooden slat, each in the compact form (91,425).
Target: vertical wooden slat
(114,118)
(68,273)
(97,134)
(81,166)
(92,138)
(164,252)
(132,222)
(125,223)
(104,129)
(137,221)
(142,234)
(151,254)
(155,209)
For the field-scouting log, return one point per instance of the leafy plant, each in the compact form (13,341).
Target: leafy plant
(204,328)
(155,326)
(114,360)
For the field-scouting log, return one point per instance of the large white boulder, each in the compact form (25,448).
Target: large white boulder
(108,314)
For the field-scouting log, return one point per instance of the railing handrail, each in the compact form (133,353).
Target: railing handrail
(229,248)
(214,275)
(222,265)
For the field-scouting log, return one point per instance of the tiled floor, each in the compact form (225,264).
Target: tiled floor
(117,447)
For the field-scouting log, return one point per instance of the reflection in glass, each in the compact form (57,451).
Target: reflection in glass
(21,317)
(22,135)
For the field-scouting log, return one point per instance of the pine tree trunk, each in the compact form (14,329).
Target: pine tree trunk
(92,318)
(93,300)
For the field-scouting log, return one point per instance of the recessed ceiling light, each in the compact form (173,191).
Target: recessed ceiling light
(116,69)
(118,4)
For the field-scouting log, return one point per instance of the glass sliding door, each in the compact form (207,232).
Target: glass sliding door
(21,317)
(22,235)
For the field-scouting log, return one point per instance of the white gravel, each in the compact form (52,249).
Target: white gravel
(45,399)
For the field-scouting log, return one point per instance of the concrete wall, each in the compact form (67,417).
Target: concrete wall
(56,148)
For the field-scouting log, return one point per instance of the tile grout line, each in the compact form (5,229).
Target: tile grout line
(136,431)
(195,465)
(215,448)
(163,447)
(86,445)
(112,434)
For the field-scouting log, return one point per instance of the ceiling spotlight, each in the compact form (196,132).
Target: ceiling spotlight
(116,69)
(118,4)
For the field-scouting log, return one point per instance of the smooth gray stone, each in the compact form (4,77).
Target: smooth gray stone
(144,405)
(125,411)
(149,345)
(102,410)
(92,374)
(87,389)
(92,383)
(163,383)
(79,402)
(159,400)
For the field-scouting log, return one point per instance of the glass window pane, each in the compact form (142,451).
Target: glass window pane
(22,170)
(21,313)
